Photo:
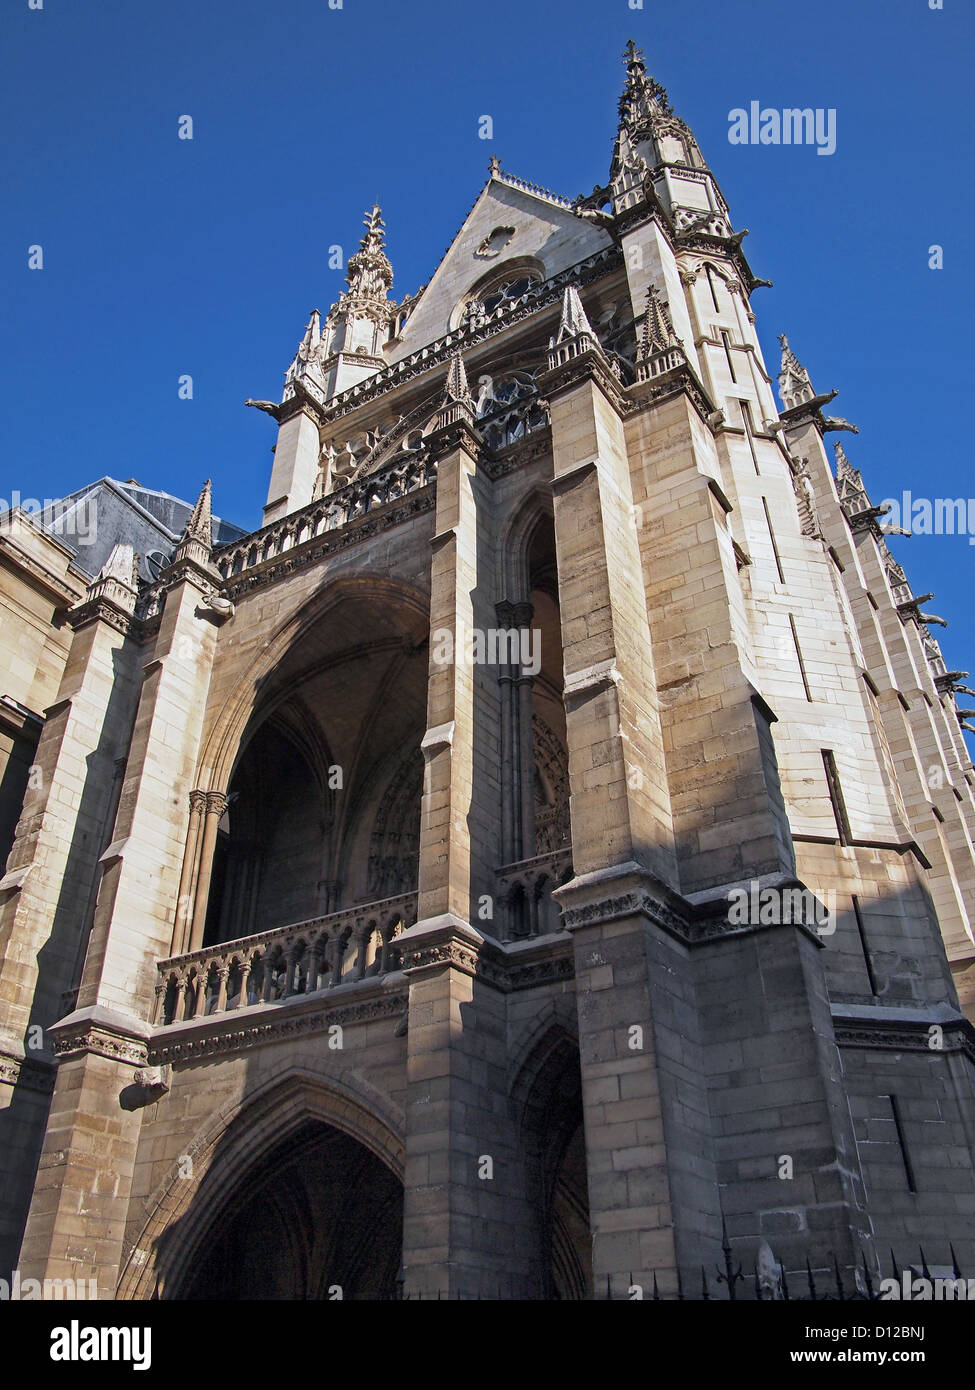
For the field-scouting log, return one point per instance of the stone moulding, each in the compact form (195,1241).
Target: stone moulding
(103,1032)
(35,1074)
(698,921)
(889,1034)
(102,1042)
(208,1037)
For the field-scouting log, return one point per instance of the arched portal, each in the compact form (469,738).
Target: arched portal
(323,804)
(319,1217)
(550,1094)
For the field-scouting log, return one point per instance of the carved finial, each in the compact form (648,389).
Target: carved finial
(135,571)
(198,528)
(794,384)
(312,334)
(369,272)
(573,321)
(643,96)
(457,387)
(843,464)
(494,168)
(658,327)
(633,57)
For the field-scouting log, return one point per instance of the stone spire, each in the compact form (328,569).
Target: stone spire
(457,387)
(120,565)
(196,542)
(575,334)
(574,320)
(358,324)
(644,100)
(199,526)
(649,132)
(307,362)
(117,581)
(369,273)
(658,327)
(660,347)
(458,403)
(795,388)
(313,333)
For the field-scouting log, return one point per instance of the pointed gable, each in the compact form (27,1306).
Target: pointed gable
(512,225)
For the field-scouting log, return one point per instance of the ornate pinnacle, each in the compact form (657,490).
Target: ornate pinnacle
(121,564)
(844,468)
(794,384)
(458,403)
(457,387)
(643,96)
(658,327)
(198,528)
(573,321)
(369,272)
(312,334)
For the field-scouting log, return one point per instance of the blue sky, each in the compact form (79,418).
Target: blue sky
(164,257)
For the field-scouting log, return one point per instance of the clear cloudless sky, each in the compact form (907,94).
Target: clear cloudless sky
(165,256)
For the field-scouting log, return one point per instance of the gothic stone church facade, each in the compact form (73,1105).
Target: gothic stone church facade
(443,938)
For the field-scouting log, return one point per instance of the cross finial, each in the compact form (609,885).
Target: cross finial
(633,56)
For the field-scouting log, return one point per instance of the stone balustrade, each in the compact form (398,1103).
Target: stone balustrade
(525,894)
(354,944)
(406,474)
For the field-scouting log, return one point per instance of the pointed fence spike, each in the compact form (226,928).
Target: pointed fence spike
(812,1282)
(656,1291)
(840,1291)
(954,1262)
(924,1264)
(866,1274)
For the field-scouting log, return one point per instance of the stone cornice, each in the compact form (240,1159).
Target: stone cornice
(17,558)
(680,380)
(627,890)
(458,434)
(103,610)
(884,1030)
(35,1074)
(262,1024)
(590,365)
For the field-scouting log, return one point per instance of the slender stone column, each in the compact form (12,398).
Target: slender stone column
(245,970)
(216,804)
(526,744)
(184,909)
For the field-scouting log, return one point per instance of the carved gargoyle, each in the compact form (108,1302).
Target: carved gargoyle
(268,407)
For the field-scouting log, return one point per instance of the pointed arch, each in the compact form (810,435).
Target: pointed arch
(535,507)
(229,1146)
(224,738)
